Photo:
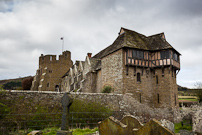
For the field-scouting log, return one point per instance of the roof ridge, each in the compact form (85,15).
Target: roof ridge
(133,31)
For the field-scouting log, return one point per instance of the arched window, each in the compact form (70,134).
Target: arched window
(138,77)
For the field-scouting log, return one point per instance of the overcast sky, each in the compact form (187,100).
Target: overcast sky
(29,28)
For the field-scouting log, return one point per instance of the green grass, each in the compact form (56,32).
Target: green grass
(50,131)
(53,131)
(84,131)
(179,127)
(188,99)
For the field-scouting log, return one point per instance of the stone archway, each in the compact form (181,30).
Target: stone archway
(57,88)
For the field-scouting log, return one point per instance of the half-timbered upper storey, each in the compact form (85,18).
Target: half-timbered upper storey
(144,58)
(140,50)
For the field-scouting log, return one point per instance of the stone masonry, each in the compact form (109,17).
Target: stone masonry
(48,76)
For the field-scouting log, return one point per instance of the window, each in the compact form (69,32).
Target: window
(138,54)
(175,56)
(134,71)
(50,71)
(157,81)
(50,58)
(70,81)
(138,77)
(175,100)
(158,98)
(165,55)
(48,84)
(126,70)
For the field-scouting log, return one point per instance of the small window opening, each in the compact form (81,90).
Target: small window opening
(138,77)
(50,58)
(175,100)
(50,71)
(127,70)
(158,98)
(134,71)
(48,84)
(157,81)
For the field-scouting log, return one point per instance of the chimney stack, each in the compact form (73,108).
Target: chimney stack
(89,55)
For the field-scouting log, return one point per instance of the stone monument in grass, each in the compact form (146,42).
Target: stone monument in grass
(67,101)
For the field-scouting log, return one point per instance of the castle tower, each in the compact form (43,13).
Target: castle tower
(144,66)
(48,76)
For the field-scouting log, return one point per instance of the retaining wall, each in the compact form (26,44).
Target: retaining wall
(116,102)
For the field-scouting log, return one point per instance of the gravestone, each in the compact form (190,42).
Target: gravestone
(185,132)
(67,101)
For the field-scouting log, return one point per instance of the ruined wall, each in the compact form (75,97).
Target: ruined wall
(112,71)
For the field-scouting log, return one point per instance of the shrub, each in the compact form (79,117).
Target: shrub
(11,85)
(27,83)
(107,89)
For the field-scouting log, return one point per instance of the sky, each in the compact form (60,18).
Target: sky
(29,28)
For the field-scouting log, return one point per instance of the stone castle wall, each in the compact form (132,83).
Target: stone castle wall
(48,76)
(112,71)
(117,102)
(153,88)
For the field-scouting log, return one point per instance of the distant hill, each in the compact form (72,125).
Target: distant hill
(180,88)
(15,79)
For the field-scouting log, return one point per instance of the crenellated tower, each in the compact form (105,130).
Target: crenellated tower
(48,76)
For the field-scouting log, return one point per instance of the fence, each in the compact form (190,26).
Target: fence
(25,122)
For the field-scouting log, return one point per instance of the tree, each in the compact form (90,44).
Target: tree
(27,83)
(198,86)
(11,85)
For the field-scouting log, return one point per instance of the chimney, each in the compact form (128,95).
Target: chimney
(89,55)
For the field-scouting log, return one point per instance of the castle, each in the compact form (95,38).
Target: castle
(145,67)
(48,76)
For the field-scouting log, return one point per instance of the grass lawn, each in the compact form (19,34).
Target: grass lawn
(179,127)
(84,131)
(53,131)
(188,99)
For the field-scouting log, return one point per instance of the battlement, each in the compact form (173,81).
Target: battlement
(66,55)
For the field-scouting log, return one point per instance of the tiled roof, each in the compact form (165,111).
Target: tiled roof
(95,64)
(132,39)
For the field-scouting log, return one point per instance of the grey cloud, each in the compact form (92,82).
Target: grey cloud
(33,27)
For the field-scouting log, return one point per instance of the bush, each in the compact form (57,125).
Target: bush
(11,85)
(27,83)
(107,89)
